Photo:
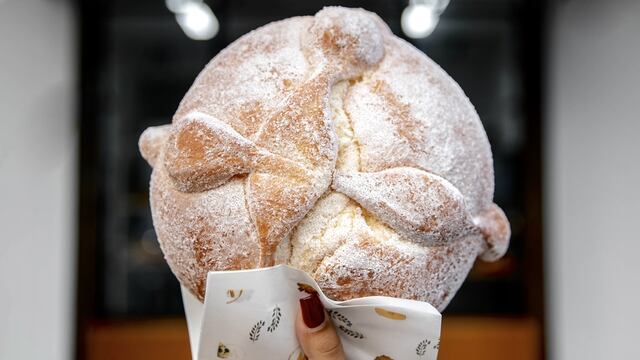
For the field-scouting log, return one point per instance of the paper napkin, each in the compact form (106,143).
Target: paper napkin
(250,314)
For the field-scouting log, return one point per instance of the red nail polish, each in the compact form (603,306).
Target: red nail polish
(312,311)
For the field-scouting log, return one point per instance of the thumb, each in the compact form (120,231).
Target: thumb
(315,331)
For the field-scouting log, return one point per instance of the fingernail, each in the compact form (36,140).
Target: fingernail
(312,311)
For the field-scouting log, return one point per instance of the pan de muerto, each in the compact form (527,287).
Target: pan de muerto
(331,145)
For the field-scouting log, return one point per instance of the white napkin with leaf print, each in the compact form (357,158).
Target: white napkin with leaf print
(250,314)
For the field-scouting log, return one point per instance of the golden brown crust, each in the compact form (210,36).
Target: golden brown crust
(373,266)
(195,233)
(495,229)
(307,141)
(203,153)
(152,142)
(410,113)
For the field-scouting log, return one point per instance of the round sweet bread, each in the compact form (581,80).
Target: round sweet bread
(329,144)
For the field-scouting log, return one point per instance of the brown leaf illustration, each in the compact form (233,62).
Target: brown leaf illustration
(390,314)
(232,294)
(223,351)
(297,354)
(306,288)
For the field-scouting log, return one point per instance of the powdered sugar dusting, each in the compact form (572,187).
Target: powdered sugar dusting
(203,153)
(251,78)
(352,37)
(203,231)
(494,226)
(152,142)
(392,267)
(409,112)
(423,207)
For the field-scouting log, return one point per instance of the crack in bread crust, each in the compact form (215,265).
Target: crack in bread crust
(348,159)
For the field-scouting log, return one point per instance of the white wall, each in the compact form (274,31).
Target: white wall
(37,179)
(593,178)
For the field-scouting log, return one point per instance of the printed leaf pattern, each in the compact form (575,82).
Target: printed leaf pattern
(392,315)
(354,334)
(339,317)
(233,295)
(223,351)
(275,319)
(254,334)
(341,321)
(345,321)
(421,349)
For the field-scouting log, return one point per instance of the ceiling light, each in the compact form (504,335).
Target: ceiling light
(421,17)
(195,18)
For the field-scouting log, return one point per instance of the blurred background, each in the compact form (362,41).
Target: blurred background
(554,82)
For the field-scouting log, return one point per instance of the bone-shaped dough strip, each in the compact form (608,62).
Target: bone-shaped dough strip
(424,207)
(202,153)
